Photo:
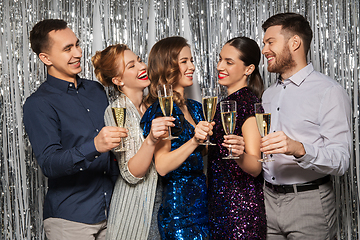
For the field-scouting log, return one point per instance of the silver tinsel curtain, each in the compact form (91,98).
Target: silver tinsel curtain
(207,25)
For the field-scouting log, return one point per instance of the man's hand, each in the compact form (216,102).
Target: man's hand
(236,142)
(279,142)
(108,138)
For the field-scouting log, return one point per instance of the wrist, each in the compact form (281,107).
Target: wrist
(151,140)
(300,151)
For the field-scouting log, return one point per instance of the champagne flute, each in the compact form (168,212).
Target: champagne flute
(228,119)
(118,107)
(165,94)
(263,121)
(209,101)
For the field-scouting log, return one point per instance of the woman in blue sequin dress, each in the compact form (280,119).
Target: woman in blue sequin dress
(236,201)
(183,213)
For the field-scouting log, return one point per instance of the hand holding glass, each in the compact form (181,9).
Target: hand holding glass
(165,94)
(209,101)
(263,121)
(228,119)
(118,108)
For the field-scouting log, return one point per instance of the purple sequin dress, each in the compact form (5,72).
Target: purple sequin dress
(236,199)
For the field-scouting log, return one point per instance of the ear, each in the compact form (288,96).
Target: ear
(44,57)
(295,42)
(117,81)
(249,69)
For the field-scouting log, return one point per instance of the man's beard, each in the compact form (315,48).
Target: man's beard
(283,62)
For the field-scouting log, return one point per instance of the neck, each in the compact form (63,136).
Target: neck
(238,85)
(71,79)
(300,64)
(180,91)
(136,97)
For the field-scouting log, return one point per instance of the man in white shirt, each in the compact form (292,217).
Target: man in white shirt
(310,137)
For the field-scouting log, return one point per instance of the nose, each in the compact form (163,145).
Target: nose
(265,49)
(219,66)
(191,65)
(78,52)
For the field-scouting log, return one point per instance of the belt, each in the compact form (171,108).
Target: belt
(302,187)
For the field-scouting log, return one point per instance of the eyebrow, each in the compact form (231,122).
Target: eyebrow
(268,39)
(132,61)
(70,45)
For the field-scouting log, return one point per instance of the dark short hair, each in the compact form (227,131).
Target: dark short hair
(249,53)
(39,37)
(293,24)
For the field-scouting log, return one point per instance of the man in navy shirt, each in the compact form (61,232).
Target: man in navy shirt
(65,124)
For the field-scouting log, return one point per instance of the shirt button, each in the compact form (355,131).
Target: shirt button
(77,91)
(88,110)
(96,156)
(284,87)
(81,169)
(97,130)
(105,194)
(273,178)
(104,172)
(278,109)
(70,85)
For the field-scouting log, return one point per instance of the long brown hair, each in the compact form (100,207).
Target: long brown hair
(107,63)
(163,67)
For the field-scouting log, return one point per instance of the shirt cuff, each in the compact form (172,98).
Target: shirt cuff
(130,178)
(89,151)
(305,161)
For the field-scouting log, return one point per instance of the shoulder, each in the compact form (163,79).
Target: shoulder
(93,84)
(192,102)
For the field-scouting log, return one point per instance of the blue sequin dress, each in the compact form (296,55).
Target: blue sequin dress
(183,213)
(236,199)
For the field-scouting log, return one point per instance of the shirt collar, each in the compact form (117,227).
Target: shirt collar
(62,84)
(299,77)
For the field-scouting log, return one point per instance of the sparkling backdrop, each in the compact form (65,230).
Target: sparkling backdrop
(206,24)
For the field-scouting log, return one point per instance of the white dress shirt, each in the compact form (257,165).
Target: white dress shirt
(313,109)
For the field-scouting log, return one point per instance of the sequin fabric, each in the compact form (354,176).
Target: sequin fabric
(236,200)
(183,213)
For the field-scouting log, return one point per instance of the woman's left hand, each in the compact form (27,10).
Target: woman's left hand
(237,144)
(202,130)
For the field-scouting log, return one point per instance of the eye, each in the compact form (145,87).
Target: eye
(131,66)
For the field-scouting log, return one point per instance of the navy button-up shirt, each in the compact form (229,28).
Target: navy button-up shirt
(62,122)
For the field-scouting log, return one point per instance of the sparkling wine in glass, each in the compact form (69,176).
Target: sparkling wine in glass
(118,108)
(263,121)
(165,94)
(228,119)
(209,100)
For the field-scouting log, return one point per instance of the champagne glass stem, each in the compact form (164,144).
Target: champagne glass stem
(169,132)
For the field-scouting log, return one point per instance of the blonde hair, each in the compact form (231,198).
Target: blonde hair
(108,65)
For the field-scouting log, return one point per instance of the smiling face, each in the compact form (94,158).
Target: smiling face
(186,68)
(232,71)
(276,50)
(63,56)
(134,74)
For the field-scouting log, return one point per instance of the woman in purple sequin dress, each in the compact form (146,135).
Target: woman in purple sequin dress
(236,201)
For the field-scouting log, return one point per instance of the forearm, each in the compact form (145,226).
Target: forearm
(167,161)
(326,160)
(56,162)
(249,164)
(139,164)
